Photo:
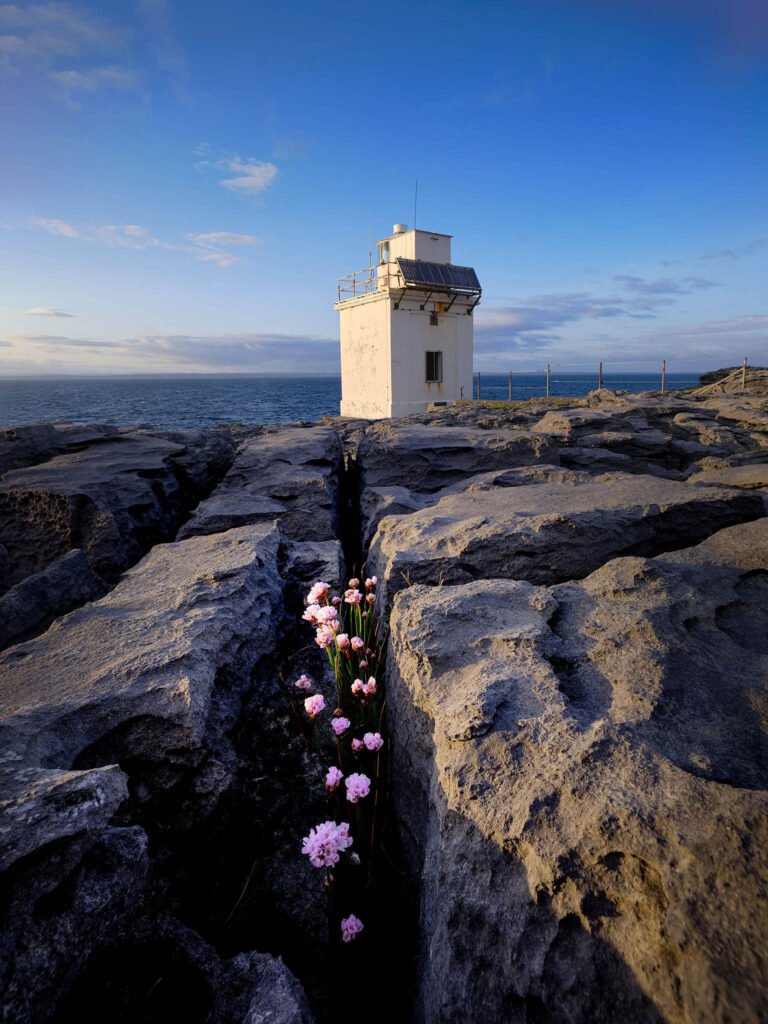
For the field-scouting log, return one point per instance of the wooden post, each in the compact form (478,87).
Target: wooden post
(478,387)
(510,385)
(663,375)
(600,378)
(548,379)
(744,375)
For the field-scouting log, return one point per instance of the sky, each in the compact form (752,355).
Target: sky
(182,182)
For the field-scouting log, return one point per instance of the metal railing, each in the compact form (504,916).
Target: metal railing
(378,278)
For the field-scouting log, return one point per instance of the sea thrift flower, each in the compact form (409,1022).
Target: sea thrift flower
(357,643)
(358,786)
(333,778)
(310,613)
(373,740)
(369,689)
(350,927)
(303,683)
(355,859)
(353,596)
(363,664)
(318,592)
(327,615)
(370,598)
(342,641)
(357,687)
(314,705)
(324,637)
(371,582)
(325,842)
(357,746)
(354,584)
(340,725)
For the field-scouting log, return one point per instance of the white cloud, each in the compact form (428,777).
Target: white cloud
(208,247)
(251,175)
(48,311)
(224,238)
(93,79)
(57,227)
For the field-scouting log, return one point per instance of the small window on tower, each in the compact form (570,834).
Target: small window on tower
(434,367)
(433,320)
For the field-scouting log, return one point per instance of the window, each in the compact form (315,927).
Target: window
(434,367)
(384,252)
(433,321)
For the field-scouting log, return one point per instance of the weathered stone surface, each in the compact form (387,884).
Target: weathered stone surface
(272,993)
(749,477)
(139,666)
(581,778)
(35,442)
(32,605)
(426,458)
(548,532)
(291,475)
(112,499)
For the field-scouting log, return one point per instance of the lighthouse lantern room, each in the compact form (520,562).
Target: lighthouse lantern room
(406,327)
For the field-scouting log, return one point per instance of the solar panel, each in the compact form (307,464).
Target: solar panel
(438,276)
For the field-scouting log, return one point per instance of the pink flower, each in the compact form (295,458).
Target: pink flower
(355,583)
(333,778)
(371,582)
(314,705)
(353,596)
(358,786)
(327,615)
(370,598)
(340,725)
(318,592)
(373,740)
(357,687)
(336,600)
(324,637)
(342,641)
(303,683)
(363,664)
(370,687)
(357,643)
(357,746)
(325,842)
(310,613)
(350,927)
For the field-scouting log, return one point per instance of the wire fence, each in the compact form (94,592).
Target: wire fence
(558,382)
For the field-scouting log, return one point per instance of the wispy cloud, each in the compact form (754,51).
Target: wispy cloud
(251,175)
(49,311)
(259,353)
(57,227)
(208,247)
(664,285)
(66,46)
(738,252)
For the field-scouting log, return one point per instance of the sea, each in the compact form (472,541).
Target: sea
(206,400)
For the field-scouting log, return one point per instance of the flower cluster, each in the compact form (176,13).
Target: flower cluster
(345,628)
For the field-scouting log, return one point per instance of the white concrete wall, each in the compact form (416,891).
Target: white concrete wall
(421,245)
(366,383)
(412,337)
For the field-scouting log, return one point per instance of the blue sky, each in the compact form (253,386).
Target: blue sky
(181,183)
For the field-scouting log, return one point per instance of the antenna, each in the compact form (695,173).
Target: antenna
(415,202)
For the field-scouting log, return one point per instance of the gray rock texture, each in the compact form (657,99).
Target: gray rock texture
(581,778)
(32,605)
(113,499)
(426,458)
(290,475)
(548,531)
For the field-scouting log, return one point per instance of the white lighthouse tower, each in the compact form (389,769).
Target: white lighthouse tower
(406,327)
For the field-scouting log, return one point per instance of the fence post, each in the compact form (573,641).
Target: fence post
(744,375)
(478,387)
(600,378)
(510,385)
(663,375)
(548,379)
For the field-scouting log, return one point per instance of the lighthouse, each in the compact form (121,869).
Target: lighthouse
(406,327)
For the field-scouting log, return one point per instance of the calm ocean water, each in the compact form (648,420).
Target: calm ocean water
(206,400)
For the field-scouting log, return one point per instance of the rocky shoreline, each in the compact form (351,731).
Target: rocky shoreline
(576,596)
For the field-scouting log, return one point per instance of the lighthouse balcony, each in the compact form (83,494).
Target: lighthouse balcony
(405,275)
